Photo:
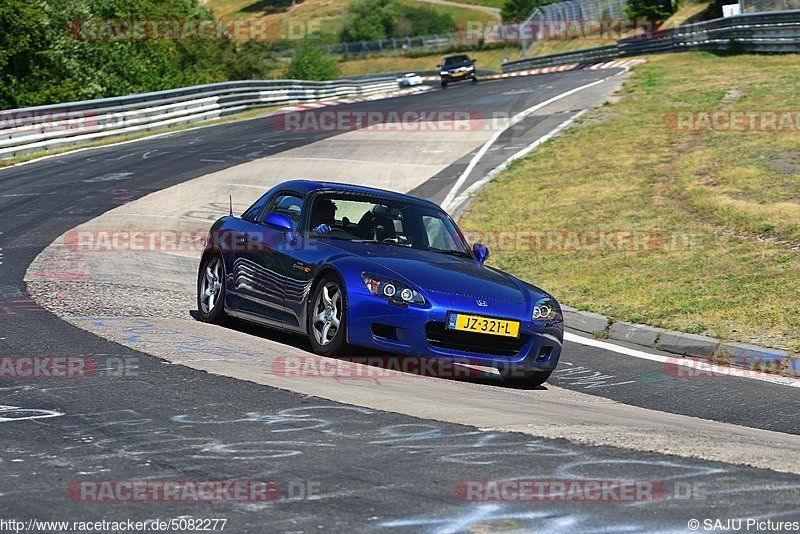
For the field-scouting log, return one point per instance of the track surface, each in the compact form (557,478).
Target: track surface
(374,470)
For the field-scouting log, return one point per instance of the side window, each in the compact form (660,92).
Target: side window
(254,211)
(289,205)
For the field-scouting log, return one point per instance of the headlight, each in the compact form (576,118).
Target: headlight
(391,289)
(544,309)
(443,73)
(471,67)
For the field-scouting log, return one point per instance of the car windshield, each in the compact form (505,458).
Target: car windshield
(369,219)
(411,74)
(455,60)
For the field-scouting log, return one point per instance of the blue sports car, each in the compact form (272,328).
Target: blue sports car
(347,264)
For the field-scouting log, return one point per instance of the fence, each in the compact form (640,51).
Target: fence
(773,32)
(28,130)
(569,11)
(758,6)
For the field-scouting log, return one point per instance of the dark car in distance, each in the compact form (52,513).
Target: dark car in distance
(457,68)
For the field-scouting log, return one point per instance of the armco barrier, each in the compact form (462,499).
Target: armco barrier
(774,32)
(43,128)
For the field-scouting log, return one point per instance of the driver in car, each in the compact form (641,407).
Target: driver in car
(324,216)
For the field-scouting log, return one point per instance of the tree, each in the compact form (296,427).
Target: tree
(652,10)
(308,63)
(50,51)
(369,20)
(516,10)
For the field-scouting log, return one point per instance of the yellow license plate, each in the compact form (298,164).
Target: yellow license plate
(458,74)
(483,325)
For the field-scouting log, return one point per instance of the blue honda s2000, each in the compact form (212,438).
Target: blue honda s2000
(348,264)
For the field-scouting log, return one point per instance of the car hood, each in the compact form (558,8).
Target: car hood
(439,273)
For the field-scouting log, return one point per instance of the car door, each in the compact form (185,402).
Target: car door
(263,259)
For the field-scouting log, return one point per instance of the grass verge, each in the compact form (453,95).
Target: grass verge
(717,212)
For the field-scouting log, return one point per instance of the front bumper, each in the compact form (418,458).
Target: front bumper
(451,77)
(419,331)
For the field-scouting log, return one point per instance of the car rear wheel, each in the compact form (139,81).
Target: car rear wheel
(327,316)
(529,379)
(211,290)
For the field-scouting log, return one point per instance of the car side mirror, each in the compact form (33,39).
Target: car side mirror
(282,222)
(481,252)
(438,66)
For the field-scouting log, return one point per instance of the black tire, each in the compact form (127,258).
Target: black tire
(444,85)
(315,326)
(530,379)
(474,80)
(215,313)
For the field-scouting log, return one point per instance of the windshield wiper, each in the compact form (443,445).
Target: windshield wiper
(328,236)
(450,252)
(386,241)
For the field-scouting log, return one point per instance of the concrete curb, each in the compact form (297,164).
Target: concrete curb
(694,346)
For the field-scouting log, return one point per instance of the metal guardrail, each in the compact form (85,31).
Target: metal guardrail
(773,32)
(36,129)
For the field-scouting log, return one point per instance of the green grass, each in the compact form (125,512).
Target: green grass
(726,204)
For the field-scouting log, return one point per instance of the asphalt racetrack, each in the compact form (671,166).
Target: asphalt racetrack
(196,402)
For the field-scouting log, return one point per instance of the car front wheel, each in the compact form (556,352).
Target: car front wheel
(327,317)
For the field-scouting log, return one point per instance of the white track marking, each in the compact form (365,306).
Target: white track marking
(697,366)
(460,199)
(448,201)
